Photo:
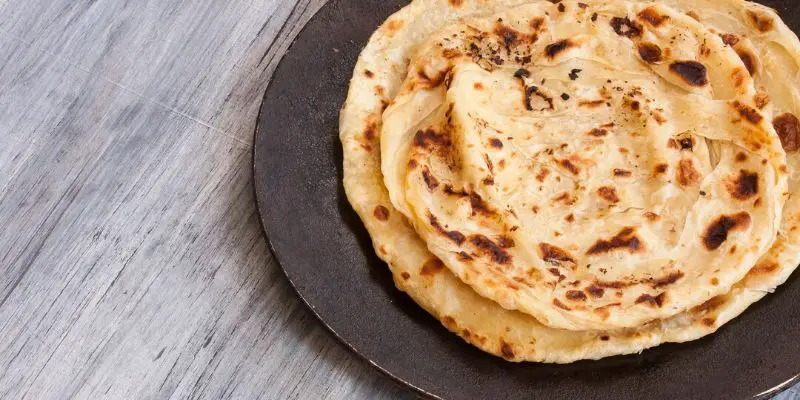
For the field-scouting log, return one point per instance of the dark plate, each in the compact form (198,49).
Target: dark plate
(328,257)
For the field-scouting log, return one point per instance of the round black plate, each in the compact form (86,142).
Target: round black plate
(328,257)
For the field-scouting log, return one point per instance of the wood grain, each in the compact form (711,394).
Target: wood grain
(132,262)
(133,265)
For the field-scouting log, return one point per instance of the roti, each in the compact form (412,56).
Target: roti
(571,179)
(514,335)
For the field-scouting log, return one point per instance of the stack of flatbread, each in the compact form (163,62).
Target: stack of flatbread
(567,180)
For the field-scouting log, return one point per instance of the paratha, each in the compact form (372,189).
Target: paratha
(545,156)
(514,335)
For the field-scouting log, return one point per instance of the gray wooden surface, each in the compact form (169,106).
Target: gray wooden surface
(132,264)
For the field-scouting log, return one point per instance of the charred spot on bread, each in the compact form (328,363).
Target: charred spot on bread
(692,72)
(744,186)
(381,213)
(788,128)
(652,16)
(656,301)
(554,49)
(554,255)
(718,230)
(649,52)
(488,248)
(623,26)
(626,240)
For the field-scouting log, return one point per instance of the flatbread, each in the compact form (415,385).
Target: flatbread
(482,322)
(546,156)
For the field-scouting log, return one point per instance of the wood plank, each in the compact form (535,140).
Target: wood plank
(136,266)
(210,60)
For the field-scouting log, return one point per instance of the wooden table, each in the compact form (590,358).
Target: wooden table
(132,262)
